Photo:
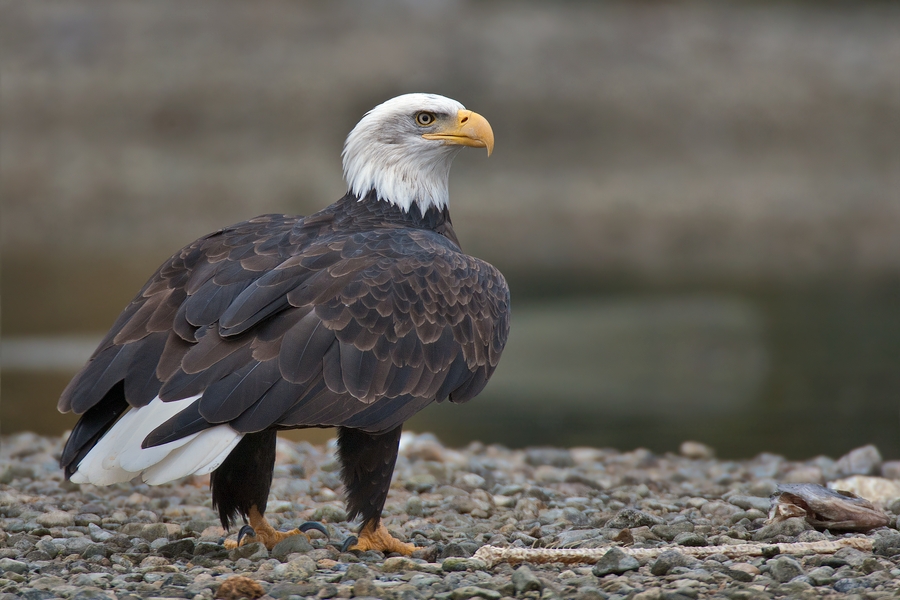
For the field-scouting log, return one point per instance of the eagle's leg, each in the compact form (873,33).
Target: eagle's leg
(367,463)
(240,486)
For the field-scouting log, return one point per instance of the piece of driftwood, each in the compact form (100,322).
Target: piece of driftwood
(823,508)
(492,555)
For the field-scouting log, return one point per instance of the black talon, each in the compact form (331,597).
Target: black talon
(310,525)
(350,541)
(221,541)
(245,530)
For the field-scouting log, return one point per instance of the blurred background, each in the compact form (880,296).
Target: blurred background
(697,205)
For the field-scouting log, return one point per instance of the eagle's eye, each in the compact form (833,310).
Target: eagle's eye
(425,118)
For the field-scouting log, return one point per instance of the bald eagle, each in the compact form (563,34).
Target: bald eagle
(355,317)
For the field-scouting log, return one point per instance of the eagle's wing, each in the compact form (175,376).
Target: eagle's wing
(273,328)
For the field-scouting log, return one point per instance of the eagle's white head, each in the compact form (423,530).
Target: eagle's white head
(402,149)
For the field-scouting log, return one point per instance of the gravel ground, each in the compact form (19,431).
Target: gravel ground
(136,541)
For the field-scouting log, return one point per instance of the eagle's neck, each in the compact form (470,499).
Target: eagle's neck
(368,212)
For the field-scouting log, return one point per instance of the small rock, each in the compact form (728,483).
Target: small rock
(784,568)
(554,457)
(670,559)
(525,581)
(8,564)
(696,450)
(56,518)
(471,591)
(861,461)
(688,538)
(329,513)
(153,531)
(789,528)
(289,545)
(356,571)
(302,567)
(629,518)
(398,564)
(821,576)
(890,469)
(255,551)
(95,550)
(669,531)
(177,548)
(615,561)
(750,502)
(287,589)
(848,584)
(887,544)
(742,572)
(77,545)
(456,563)
(48,547)
(365,588)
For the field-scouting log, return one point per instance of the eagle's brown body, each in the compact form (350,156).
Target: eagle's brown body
(355,317)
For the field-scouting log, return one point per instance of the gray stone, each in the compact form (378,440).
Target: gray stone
(749,502)
(821,576)
(456,563)
(789,528)
(356,571)
(56,518)
(784,568)
(48,547)
(210,550)
(302,567)
(690,539)
(287,589)
(668,531)
(629,518)
(154,531)
(861,461)
(615,561)
(77,545)
(254,551)
(177,548)
(471,591)
(365,588)
(670,559)
(95,550)
(524,580)
(329,514)
(887,544)
(554,457)
(289,545)
(849,584)
(8,564)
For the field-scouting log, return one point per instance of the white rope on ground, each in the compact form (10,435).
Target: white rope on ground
(491,555)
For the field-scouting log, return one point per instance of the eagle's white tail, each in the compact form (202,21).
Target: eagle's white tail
(118,455)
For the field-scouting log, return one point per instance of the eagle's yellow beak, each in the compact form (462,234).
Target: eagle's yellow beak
(470,129)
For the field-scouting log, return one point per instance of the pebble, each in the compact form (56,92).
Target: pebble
(137,541)
(861,461)
(616,562)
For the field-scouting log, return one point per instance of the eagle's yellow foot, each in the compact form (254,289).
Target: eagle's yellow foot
(259,530)
(376,537)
